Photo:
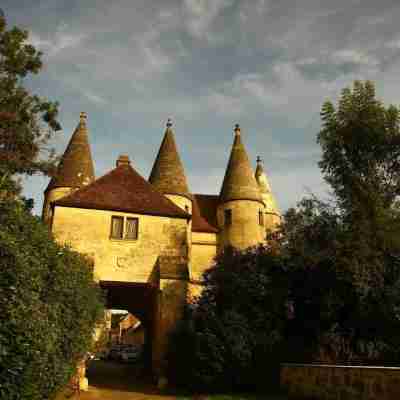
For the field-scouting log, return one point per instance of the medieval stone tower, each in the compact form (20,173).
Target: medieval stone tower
(151,240)
(75,169)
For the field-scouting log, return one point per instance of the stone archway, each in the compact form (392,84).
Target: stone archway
(141,300)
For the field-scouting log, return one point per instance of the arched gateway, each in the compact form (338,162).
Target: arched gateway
(150,241)
(141,300)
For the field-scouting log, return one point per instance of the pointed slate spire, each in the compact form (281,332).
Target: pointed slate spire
(261,177)
(265,188)
(168,175)
(239,181)
(76,166)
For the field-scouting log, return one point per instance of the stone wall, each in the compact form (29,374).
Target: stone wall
(88,231)
(204,250)
(53,195)
(339,382)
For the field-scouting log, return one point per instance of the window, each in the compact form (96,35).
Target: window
(131,228)
(261,218)
(228,217)
(117,224)
(121,230)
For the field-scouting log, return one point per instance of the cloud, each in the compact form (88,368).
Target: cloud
(200,16)
(353,56)
(210,63)
(62,40)
(95,98)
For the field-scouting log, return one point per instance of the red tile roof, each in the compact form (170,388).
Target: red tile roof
(204,214)
(123,189)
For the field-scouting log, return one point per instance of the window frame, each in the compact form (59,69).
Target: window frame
(261,221)
(136,228)
(124,219)
(227,217)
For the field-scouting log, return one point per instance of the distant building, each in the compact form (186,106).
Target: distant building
(132,331)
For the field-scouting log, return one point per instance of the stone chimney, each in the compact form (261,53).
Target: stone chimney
(123,159)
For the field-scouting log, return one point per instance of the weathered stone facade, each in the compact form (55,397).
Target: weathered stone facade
(151,241)
(340,382)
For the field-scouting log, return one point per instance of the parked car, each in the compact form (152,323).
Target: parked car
(102,355)
(130,354)
(114,353)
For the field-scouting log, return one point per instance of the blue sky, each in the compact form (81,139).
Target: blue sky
(208,64)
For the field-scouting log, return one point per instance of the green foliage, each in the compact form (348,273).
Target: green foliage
(49,305)
(233,333)
(338,314)
(345,256)
(360,142)
(27,121)
(328,287)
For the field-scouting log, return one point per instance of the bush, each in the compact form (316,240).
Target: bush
(232,336)
(49,305)
(339,316)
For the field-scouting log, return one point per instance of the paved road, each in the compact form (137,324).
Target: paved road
(111,381)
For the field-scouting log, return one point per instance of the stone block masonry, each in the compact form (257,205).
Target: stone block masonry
(340,382)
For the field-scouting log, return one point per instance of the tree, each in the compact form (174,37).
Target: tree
(327,288)
(339,316)
(27,121)
(49,306)
(345,256)
(360,142)
(49,302)
(229,341)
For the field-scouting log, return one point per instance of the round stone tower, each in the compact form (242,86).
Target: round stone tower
(74,171)
(241,209)
(168,175)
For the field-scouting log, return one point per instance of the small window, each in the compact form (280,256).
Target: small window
(228,217)
(117,224)
(261,218)
(131,228)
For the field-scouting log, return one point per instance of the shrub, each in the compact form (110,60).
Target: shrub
(232,335)
(49,305)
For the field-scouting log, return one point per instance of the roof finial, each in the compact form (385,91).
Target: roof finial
(82,117)
(237,129)
(169,123)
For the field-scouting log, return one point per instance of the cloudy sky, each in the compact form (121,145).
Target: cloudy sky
(208,64)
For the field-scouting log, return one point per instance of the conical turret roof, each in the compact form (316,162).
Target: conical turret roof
(265,188)
(168,175)
(76,166)
(261,177)
(239,181)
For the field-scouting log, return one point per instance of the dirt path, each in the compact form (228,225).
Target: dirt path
(114,381)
